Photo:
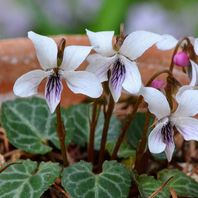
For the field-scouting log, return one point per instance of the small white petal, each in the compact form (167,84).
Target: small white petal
(137,43)
(167,42)
(53,90)
(155,140)
(170,147)
(46,50)
(181,91)
(187,103)
(73,56)
(196,46)
(27,84)
(83,82)
(187,126)
(194,79)
(157,102)
(132,82)
(99,65)
(102,42)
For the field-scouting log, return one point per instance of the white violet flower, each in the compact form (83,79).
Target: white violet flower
(161,137)
(83,82)
(120,62)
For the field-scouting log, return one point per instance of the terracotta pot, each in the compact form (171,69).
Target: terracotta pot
(17,56)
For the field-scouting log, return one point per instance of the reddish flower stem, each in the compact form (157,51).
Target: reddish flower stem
(125,127)
(93,124)
(107,116)
(139,165)
(169,84)
(61,135)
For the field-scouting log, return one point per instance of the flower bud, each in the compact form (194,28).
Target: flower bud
(181,59)
(157,84)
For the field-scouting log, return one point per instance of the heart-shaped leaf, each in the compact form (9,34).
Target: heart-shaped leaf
(28,179)
(183,185)
(148,184)
(29,124)
(80,181)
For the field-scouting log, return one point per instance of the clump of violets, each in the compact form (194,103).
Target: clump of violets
(115,62)
(55,70)
(111,59)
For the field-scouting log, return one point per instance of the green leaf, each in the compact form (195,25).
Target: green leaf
(80,181)
(125,150)
(76,121)
(148,184)
(134,132)
(29,124)
(184,185)
(28,179)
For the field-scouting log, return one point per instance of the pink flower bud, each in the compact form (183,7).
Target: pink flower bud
(181,59)
(157,84)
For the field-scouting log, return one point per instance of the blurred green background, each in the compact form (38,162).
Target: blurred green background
(50,17)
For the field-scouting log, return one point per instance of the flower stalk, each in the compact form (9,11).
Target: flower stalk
(61,135)
(60,126)
(107,116)
(169,88)
(93,123)
(124,128)
(142,145)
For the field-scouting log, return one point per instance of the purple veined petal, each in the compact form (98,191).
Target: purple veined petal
(53,90)
(187,126)
(118,73)
(99,65)
(167,131)
(155,139)
(132,82)
(170,147)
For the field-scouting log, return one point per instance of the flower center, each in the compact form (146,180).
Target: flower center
(117,74)
(167,133)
